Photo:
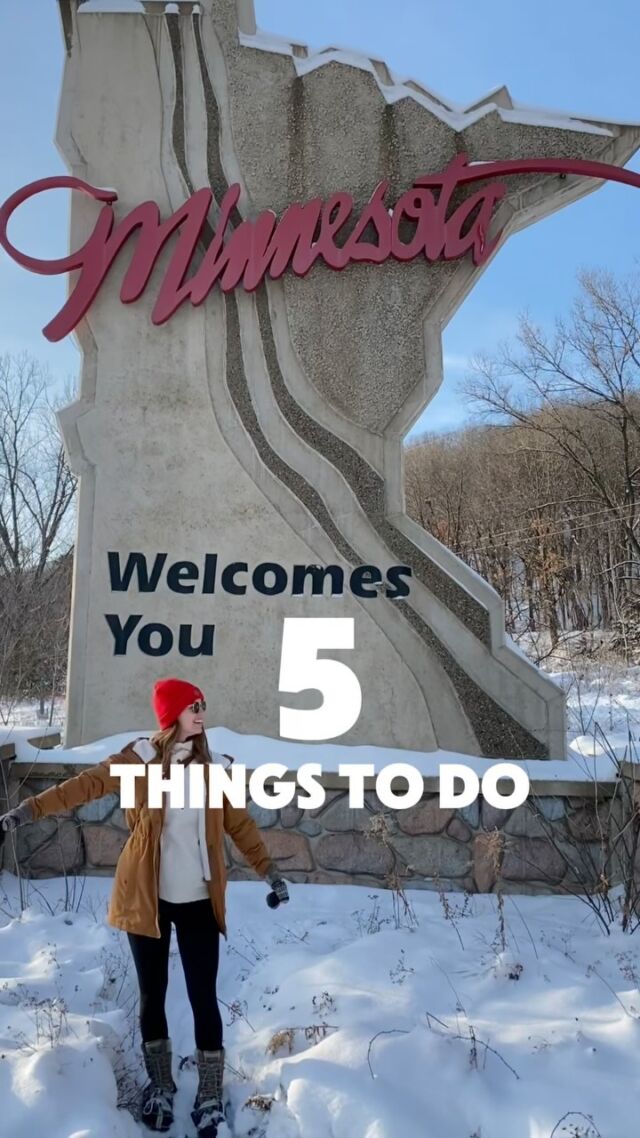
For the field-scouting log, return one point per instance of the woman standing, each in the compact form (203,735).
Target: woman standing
(171,871)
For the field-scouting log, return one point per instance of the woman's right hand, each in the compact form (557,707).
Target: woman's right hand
(16,817)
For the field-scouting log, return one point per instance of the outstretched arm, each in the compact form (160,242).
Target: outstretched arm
(95,782)
(244,832)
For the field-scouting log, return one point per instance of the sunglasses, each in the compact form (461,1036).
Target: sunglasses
(199,705)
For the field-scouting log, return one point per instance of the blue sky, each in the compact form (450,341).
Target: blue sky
(560,54)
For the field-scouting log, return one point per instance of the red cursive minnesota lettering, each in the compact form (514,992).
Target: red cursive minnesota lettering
(421,224)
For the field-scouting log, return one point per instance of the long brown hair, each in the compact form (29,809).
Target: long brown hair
(164,741)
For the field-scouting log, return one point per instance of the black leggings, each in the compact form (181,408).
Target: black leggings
(198,939)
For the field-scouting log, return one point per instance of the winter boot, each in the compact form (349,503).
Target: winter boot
(157,1095)
(208,1111)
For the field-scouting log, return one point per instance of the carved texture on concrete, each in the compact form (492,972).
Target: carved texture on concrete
(326,374)
(494,728)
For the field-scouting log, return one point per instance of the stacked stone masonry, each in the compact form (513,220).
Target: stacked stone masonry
(557,839)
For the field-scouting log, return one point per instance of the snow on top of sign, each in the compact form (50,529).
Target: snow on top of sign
(394,88)
(586,759)
(110,6)
(158,7)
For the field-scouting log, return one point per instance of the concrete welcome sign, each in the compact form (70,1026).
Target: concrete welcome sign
(238,432)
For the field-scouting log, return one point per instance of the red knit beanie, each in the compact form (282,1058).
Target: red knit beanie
(170,697)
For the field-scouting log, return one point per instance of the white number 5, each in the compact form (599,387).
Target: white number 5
(300,669)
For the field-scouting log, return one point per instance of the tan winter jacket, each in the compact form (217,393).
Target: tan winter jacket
(134,900)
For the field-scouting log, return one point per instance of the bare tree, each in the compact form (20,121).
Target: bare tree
(36,492)
(557,387)
(574,397)
(541,496)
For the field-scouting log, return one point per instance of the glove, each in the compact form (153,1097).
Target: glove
(277,883)
(16,817)
(279,887)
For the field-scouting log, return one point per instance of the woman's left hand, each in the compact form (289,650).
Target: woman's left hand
(277,883)
(279,887)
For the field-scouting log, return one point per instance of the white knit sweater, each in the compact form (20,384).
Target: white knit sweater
(184,861)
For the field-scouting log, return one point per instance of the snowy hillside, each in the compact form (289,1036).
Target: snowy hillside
(338,1024)
(344,1018)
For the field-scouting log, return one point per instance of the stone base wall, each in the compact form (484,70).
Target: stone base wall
(559,839)
(550,844)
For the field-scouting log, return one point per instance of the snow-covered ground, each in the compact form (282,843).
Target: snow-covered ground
(339,1023)
(346,1025)
(602,700)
